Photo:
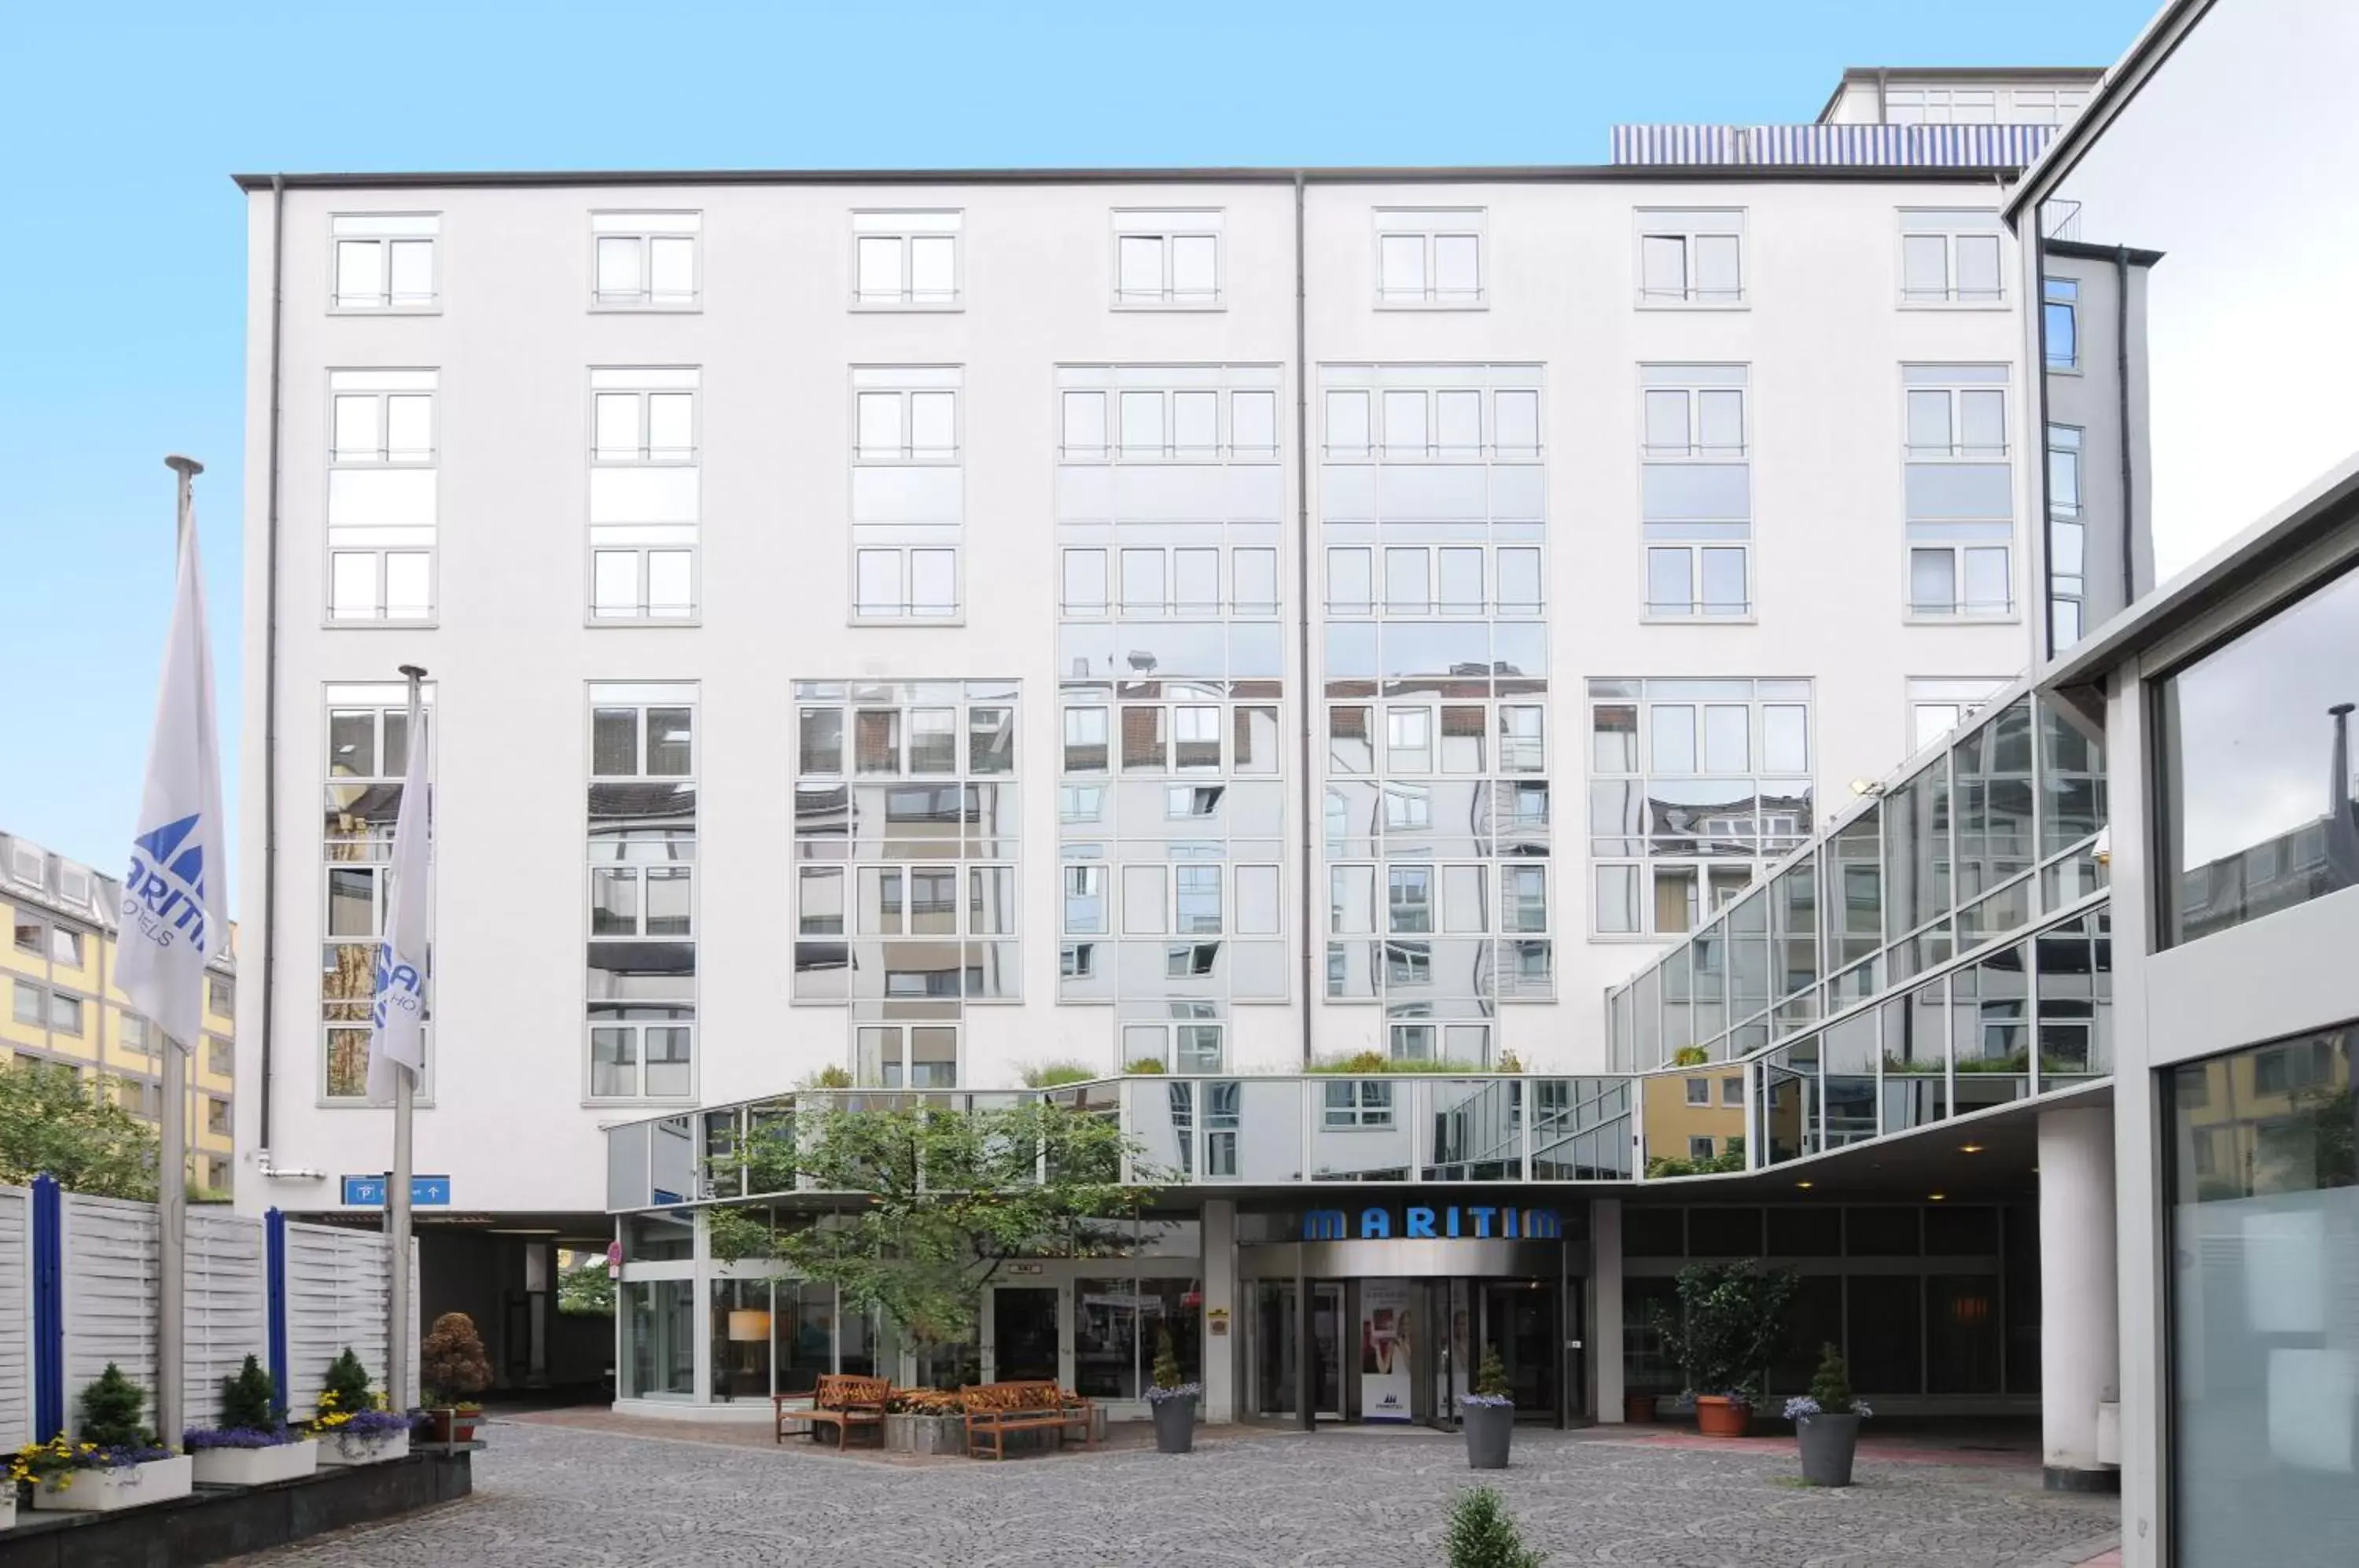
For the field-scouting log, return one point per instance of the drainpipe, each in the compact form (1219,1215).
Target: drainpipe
(1304,703)
(270,668)
(2122,396)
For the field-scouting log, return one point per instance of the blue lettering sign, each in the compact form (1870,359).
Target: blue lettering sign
(1323,1225)
(1376,1225)
(1481,1220)
(1541,1225)
(1420,1222)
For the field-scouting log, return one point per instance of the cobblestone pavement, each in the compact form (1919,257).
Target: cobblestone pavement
(554,1495)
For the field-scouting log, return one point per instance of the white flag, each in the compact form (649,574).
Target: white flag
(398,1023)
(175,897)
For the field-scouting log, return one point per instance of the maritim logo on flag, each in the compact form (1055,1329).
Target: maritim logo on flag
(399,990)
(164,891)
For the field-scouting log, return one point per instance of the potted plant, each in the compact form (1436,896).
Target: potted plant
(352,1429)
(115,1462)
(453,1361)
(1731,1323)
(1172,1400)
(1488,1415)
(1826,1422)
(252,1447)
(1483,1535)
(925,1421)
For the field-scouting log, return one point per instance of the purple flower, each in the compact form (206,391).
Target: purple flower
(1156,1396)
(1489,1402)
(202,1437)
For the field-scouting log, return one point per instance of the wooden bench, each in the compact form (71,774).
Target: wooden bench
(840,1400)
(994,1409)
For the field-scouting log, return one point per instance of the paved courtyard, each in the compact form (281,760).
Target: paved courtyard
(554,1495)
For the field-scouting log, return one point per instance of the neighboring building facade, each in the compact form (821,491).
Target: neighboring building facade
(1229,620)
(64,1008)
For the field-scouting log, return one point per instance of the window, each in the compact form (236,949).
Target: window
(1939,105)
(1699,1091)
(2252,735)
(135,1035)
(641,991)
(28,1007)
(1938,706)
(1696,491)
(65,947)
(908,495)
(645,493)
(221,1056)
(2061,321)
(1958,488)
(1431,258)
(2067,539)
(383,261)
(221,996)
(1731,1090)
(1691,259)
(906,1056)
(1358,1102)
(1951,257)
(1694,785)
(364,764)
(65,1015)
(1698,1148)
(645,261)
(381,494)
(1167,259)
(905,261)
(32,937)
(1180,1048)
(217,1116)
(2046,106)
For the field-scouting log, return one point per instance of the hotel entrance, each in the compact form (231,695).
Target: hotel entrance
(1376,1329)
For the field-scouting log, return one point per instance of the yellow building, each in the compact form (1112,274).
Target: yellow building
(57,967)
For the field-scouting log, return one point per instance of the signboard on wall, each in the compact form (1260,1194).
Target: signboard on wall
(1384,1349)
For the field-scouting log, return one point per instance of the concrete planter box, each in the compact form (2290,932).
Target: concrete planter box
(254,1466)
(103,1491)
(1829,1445)
(342,1448)
(925,1434)
(1489,1430)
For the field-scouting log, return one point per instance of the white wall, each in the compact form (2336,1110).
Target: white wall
(510,656)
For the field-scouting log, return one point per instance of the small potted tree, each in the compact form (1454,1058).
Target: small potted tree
(1731,1323)
(252,1447)
(454,1363)
(1172,1398)
(352,1429)
(1483,1535)
(115,1462)
(1488,1415)
(1826,1422)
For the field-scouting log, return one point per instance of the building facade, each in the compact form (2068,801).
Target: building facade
(63,1007)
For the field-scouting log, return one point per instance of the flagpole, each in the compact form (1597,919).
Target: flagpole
(172,1160)
(397,1187)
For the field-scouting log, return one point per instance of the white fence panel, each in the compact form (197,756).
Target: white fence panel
(335,1299)
(227,1308)
(15,1317)
(110,1295)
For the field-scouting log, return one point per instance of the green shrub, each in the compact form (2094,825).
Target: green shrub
(1729,1325)
(249,1402)
(348,1380)
(1690,1056)
(829,1078)
(1491,1374)
(1167,1361)
(1376,1065)
(1730,1158)
(1050,1074)
(1481,1535)
(110,1412)
(1830,1385)
(1146,1066)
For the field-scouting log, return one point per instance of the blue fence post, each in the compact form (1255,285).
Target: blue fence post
(274,1239)
(49,1310)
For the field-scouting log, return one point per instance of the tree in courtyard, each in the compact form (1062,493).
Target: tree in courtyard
(52,1123)
(586,1290)
(1483,1535)
(952,1197)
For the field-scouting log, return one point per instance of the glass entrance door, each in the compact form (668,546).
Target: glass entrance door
(1024,1333)
(1275,1350)
(1518,1319)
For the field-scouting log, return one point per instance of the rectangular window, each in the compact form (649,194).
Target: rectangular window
(1938,706)
(1691,259)
(26,1005)
(1695,785)
(908,495)
(1951,257)
(363,768)
(383,262)
(905,261)
(640,1002)
(646,261)
(1170,260)
(1696,491)
(65,1015)
(2061,322)
(2067,539)
(645,493)
(221,996)
(381,494)
(1430,258)
(1957,489)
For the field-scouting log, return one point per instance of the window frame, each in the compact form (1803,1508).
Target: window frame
(1657,222)
(1169,226)
(391,381)
(945,222)
(1954,295)
(689,225)
(429,231)
(1432,225)
(2050,286)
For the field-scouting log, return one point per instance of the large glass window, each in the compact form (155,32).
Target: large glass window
(658,1339)
(2265,1302)
(2255,751)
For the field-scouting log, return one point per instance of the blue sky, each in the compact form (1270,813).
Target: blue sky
(125,254)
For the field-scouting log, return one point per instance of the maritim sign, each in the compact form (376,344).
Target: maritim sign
(1480,1221)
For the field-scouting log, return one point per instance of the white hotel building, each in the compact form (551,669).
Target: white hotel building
(927,623)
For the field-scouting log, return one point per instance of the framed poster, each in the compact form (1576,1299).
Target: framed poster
(1385,1350)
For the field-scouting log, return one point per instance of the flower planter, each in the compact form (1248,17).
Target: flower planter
(1829,1445)
(1489,1430)
(254,1466)
(1638,1409)
(347,1448)
(1719,1417)
(925,1434)
(1175,1426)
(453,1425)
(103,1491)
